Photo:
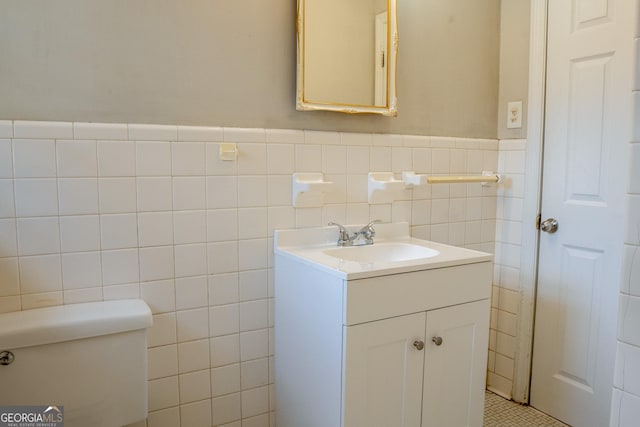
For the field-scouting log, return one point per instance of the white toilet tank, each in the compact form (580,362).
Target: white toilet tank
(89,358)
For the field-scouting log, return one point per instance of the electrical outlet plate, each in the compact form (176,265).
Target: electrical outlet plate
(514,115)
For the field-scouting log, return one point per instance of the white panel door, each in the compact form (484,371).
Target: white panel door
(587,128)
(455,365)
(383,373)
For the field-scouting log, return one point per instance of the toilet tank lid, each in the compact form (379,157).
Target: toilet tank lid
(70,322)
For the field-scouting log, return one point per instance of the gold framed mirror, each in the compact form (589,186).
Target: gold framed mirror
(347,56)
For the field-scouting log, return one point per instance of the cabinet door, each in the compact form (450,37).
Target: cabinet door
(383,372)
(455,370)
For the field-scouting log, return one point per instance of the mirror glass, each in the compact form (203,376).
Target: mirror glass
(347,53)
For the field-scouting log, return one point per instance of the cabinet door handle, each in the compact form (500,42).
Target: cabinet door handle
(418,344)
(437,340)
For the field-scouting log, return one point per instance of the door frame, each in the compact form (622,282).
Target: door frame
(532,200)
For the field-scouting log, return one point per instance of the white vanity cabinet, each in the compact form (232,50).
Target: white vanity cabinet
(361,350)
(423,369)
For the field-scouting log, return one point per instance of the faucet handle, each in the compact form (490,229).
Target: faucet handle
(343,233)
(368,229)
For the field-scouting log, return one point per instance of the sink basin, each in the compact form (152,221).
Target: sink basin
(382,252)
(393,252)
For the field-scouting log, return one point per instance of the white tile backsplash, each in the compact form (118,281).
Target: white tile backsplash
(163,361)
(224,320)
(196,413)
(77,196)
(117,292)
(33,158)
(504,203)
(156,263)
(8,242)
(40,274)
(105,211)
(153,158)
(191,260)
(119,231)
(117,195)
(280,158)
(164,418)
(254,344)
(222,192)
(285,136)
(100,131)
(163,393)
(189,226)
(116,158)
(141,132)
(50,130)
(244,134)
(225,380)
(76,296)
(224,350)
(225,410)
(81,270)
(188,158)
(9,278)
(6,129)
(159,295)
(308,158)
(41,299)
(222,257)
(193,356)
(38,236)
(254,285)
(199,133)
(80,233)
(193,324)
(7,207)
(252,191)
(253,315)
(195,386)
(6,159)
(120,266)
(189,193)
(155,228)
(252,223)
(255,401)
(350,138)
(154,194)
(163,331)
(252,159)
(191,292)
(76,158)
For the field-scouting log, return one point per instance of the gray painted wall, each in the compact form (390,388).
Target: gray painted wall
(514,63)
(232,63)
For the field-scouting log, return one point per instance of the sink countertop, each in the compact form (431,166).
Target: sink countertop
(308,246)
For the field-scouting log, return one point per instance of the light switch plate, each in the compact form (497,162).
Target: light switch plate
(514,115)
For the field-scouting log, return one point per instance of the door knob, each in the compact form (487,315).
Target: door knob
(549,225)
(418,344)
(437,340)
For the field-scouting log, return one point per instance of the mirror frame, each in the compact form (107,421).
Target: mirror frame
(391,109)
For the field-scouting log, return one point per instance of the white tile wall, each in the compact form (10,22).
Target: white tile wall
(506,290)
(102,211)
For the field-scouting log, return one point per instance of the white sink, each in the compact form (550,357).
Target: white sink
(382,252)
(393,252)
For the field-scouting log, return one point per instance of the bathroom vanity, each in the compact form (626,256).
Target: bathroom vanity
(394,334)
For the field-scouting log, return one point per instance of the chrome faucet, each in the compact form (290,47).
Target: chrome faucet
(364,236)
(343,235)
